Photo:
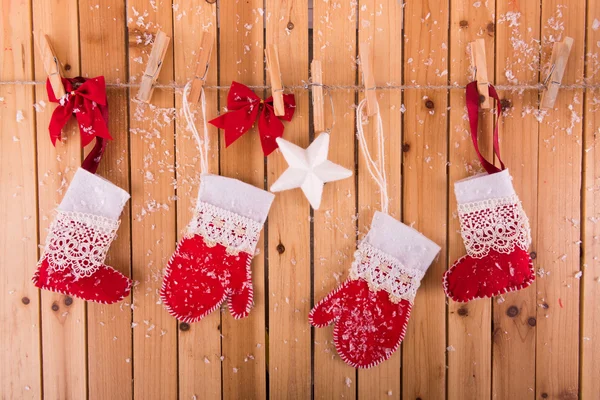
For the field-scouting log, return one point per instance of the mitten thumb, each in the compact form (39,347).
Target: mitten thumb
(330,308)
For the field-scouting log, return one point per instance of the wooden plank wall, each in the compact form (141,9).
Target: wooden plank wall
(539,343)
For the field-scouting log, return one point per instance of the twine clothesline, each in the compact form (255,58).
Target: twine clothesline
(356,88)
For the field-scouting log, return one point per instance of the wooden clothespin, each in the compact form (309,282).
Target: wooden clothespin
(155,62)
(317,96)
(51,64)
(202,63)
(558,63)
(479,65)
(275,74)
(368,79)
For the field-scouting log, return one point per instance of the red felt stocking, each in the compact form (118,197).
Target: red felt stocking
(496,234)
(493,225)
(371,309)
(212,262)
(78,240)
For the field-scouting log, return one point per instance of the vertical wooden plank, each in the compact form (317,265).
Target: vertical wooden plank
(425,192)
(559,200)
(517,55)
(469,340)
(589,345)
(289,224)
(153,208)
(334,222)
(20,368)
(103,52)
(63,323)
(199,346)
(379,25)
(244,343)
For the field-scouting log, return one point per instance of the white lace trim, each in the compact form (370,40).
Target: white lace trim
(384,272)
(495,224)
(79,242)
(219,226)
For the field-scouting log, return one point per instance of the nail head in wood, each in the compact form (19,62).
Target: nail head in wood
(512,311)
(272,56)
(155,63)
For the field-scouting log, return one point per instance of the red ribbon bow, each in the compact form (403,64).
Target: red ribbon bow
(244,106)
(86,99)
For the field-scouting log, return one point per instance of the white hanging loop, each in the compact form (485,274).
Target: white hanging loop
(202,143)
(376,169)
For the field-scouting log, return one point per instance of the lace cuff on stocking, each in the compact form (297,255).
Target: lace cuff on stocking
(384,272)
(497,224)
(79,242)
(219,226)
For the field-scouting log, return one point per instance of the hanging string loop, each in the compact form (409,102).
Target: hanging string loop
(376,168)
(201,143)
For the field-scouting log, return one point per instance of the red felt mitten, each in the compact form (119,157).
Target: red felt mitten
(371,309)
(496,234)
(212,262)
(78,240)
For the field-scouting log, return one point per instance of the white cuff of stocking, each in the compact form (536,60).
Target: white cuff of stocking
(407,245)
(235,196)
(484,187)
(91,194)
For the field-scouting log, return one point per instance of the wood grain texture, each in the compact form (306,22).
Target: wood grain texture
(425,193)
(379,27)
(517,61)
(334,232)
(289,271)
(20,368)
(451,351)
(103,52)
(242,59)
(589,348)
(152,208)
(199,349)
(559,201)
(64,344)
(469,339)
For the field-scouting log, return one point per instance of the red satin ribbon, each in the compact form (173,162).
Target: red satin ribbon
(244,107)
(473,110)
(86,100)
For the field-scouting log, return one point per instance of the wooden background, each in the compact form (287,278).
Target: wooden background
(539,343)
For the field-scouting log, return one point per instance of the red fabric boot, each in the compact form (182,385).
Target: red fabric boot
(78,240)
(496,234)
(371,309)
(212,262)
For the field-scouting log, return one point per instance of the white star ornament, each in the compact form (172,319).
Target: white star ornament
(308,169)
